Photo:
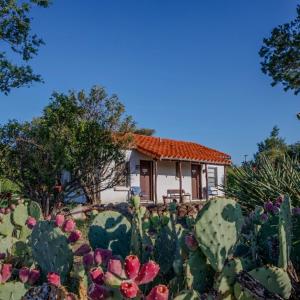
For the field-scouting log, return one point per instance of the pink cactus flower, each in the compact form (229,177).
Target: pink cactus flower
(96,275)
(82,250)
(159,292)
(191,242)
(59,220)
(147,272)
(74,236)
(132,266)
(53,278)
(7,210)
(97,292)
(31,222)
(69,225)
(129,289)
(5,273)
(88,259)
(24,274)
(2,255)
(114,266)
(102,256)
(34,276)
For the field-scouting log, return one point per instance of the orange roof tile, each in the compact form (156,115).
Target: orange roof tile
(171,149)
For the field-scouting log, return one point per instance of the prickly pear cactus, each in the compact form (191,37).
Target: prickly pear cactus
(226,279)
(199,274)
(50,249)
(187,295)
(217,229)
(111,230)
(34,210)
(12,291)
(20,215)
(295,253)
(6,226)
(274,279)
(6,244)
(284,233)
(46,291)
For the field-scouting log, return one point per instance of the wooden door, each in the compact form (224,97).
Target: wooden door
(146,179)
(196,182)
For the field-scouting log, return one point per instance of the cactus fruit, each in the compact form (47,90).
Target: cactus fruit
(218,226)
(102,256)
(30,222)
(68,226)
(53,279)
(74,236)
(96,275)
(24,274)
(129,289)
(5,272)
(159,292)
(115,267)
(284,233)
(111,230)
(12,290)
(199,274)
(59,220)
(187,295)
(147,272)
(51,250)
(132,266)
(274,279)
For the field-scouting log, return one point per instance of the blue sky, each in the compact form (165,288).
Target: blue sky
(188,69)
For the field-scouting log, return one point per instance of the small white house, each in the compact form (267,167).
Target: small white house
(164,169)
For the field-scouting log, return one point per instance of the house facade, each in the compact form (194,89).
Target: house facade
(163,169)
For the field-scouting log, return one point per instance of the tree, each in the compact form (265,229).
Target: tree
(15,32)
(85,134)
(281,55)
(274,147)
(92,132)
(145,131)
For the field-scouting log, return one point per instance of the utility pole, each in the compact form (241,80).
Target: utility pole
(245,158)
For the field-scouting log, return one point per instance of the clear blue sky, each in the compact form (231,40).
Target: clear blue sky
(188,69)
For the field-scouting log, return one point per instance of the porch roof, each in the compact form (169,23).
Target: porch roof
(161,148)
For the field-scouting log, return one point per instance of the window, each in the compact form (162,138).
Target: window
(125,180)
(212,177)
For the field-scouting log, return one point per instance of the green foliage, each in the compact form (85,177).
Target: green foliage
(217,228)
(7,186)
(281,54)
(15,31)
(50,249)
(111,230)
(187,295)
(254,185)
(76,132)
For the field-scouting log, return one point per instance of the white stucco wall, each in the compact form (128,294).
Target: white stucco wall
(166,178)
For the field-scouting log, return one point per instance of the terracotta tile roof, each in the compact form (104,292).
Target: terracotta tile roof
(171,149)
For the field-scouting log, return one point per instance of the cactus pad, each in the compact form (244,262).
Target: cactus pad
(284,233)
(51,250)
(274,279)
(187,295)
(20,215)
(35,210)
(12,290)
(111,230)
(199,274)
(6,226)
(217,228)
